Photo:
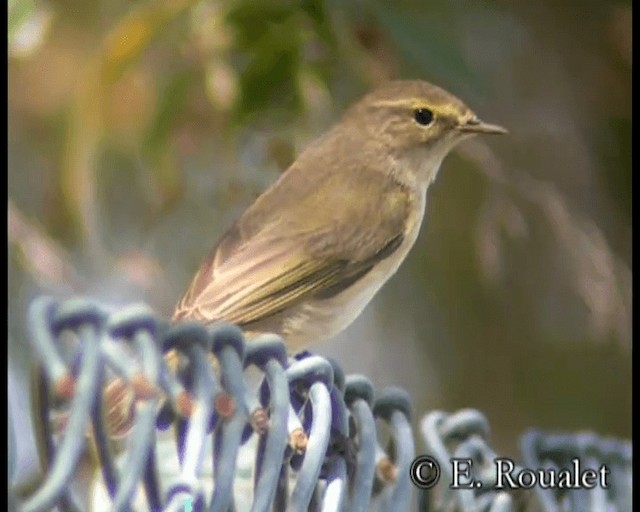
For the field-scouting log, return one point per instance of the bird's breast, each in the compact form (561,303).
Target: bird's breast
(319,319)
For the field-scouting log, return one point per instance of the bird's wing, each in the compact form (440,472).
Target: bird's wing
(272,259)
(268,276)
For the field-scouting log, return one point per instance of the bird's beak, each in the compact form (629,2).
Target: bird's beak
(474,125)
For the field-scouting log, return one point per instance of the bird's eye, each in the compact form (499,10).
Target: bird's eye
(423,116)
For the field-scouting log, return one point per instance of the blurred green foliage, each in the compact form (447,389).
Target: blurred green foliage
(139,130)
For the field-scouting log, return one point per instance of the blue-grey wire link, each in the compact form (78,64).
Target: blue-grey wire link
(315,373)
(137,324)
(406,452)
(394,406)
(359,398)
(434,443)
(41,318)
(195,343)
(269,354)
(463,435)
(228,345)
(83,318)
(316,448)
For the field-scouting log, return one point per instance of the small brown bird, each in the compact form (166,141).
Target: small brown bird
(309,254)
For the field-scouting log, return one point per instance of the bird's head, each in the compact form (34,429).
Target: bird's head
(416,122)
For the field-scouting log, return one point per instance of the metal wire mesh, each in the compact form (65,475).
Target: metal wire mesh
(463,436)
(560,450)
(314,436)
(310,420)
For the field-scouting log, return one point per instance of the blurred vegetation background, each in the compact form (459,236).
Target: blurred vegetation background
(138,130)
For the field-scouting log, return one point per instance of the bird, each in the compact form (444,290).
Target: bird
(310,253)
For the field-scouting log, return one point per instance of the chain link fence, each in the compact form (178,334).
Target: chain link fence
(185,418)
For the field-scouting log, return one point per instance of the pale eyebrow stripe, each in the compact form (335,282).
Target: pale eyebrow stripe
(395,103)
(440,111)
